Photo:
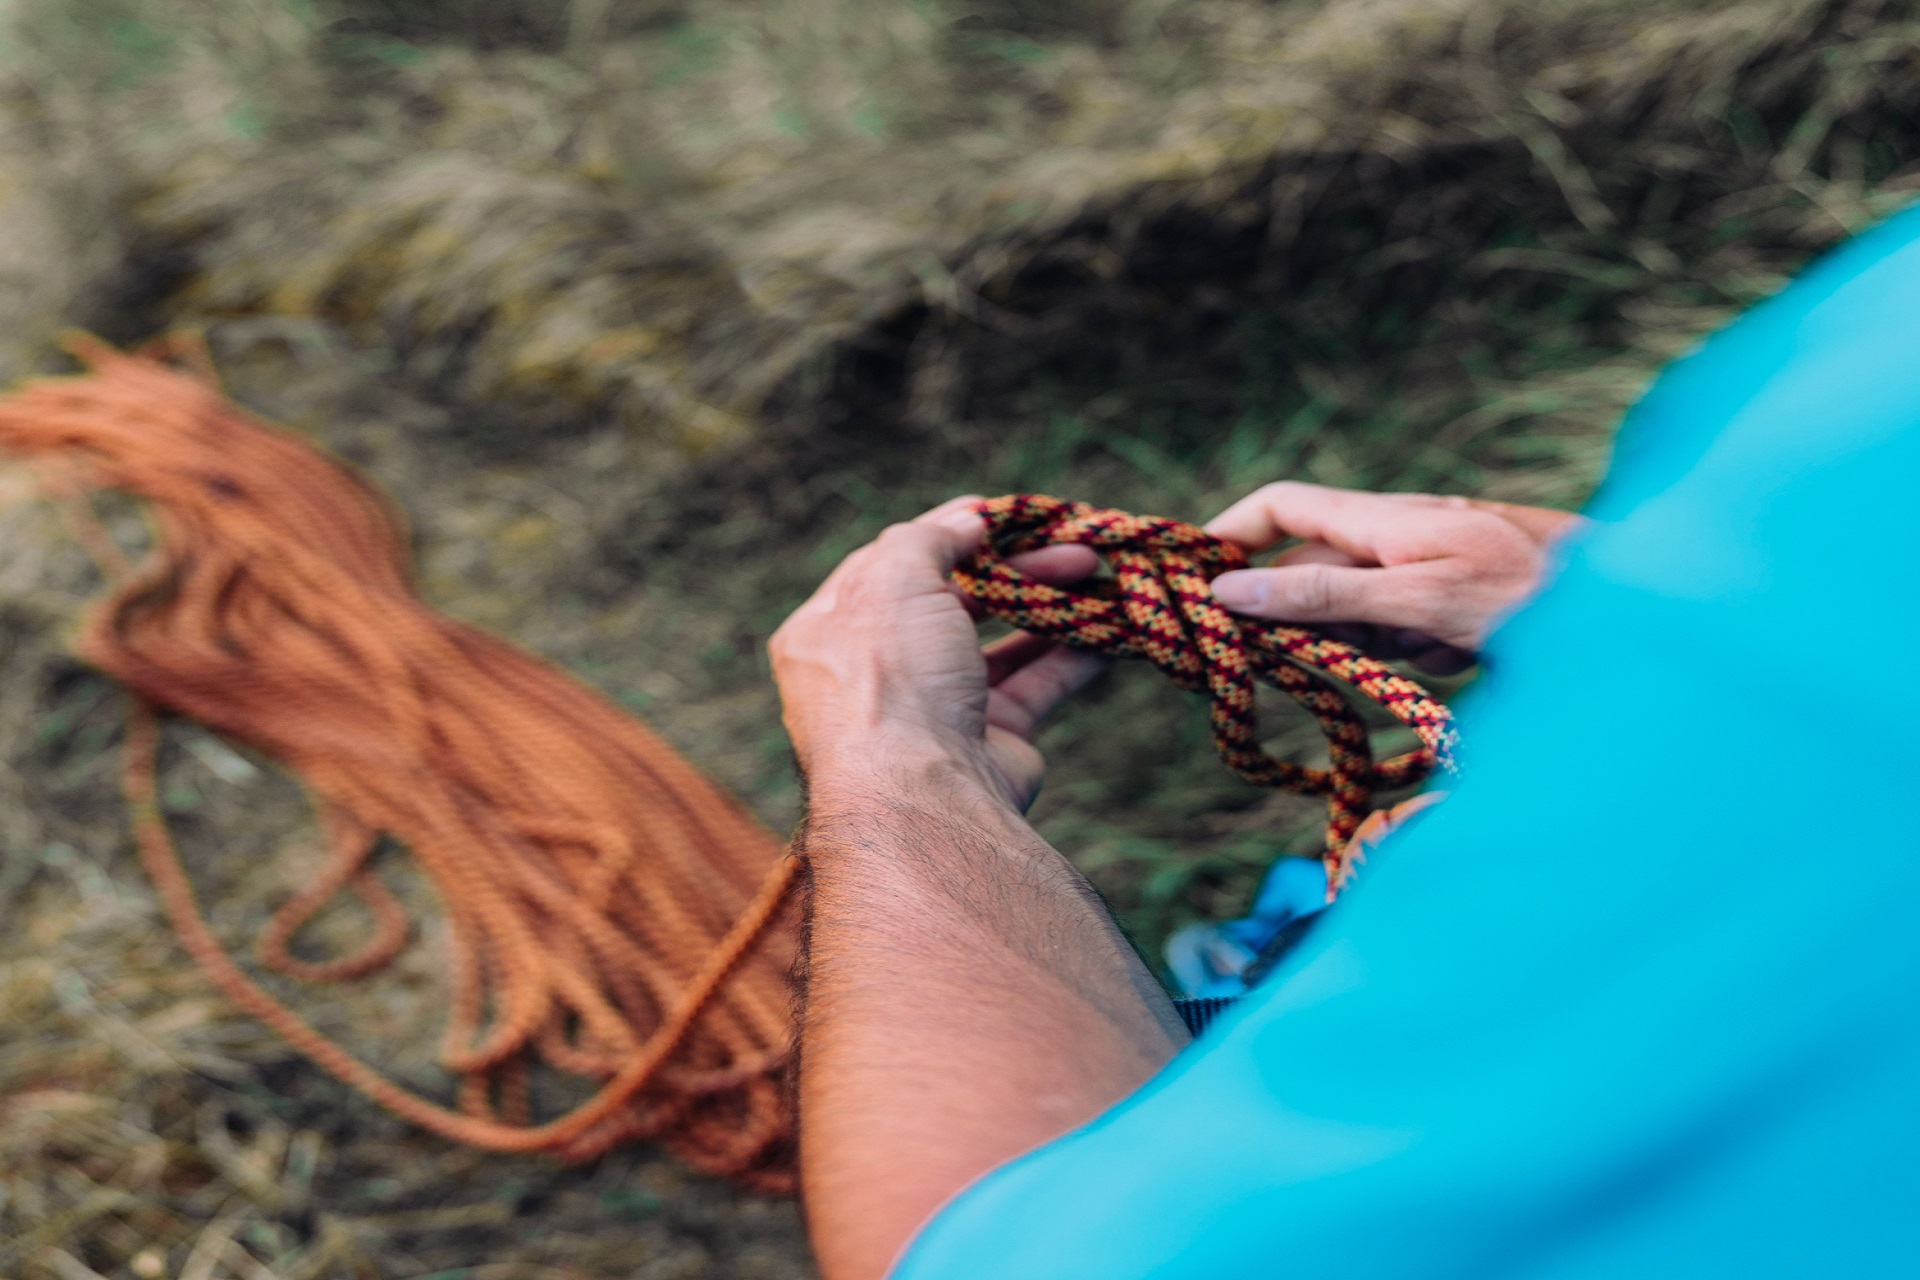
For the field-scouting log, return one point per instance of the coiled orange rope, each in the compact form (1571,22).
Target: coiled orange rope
(611,911)
(614,916)
(1158,606)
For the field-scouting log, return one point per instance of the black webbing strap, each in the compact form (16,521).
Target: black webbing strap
(1200,1012)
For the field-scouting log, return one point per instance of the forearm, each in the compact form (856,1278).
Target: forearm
(968,999)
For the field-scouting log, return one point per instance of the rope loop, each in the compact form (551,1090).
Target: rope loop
(618,928)
(1158,605)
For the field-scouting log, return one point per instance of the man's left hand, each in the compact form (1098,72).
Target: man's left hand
(883,665)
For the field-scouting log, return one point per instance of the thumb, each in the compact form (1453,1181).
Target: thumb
(950,532)
(1314,592)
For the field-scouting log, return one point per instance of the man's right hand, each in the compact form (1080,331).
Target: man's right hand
(1400,574)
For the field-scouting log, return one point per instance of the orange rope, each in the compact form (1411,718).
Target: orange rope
(613,914)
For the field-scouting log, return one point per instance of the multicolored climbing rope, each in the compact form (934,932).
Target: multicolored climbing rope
(1158,606)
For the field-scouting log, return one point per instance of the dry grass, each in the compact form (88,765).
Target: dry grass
(667,225)
(863,255)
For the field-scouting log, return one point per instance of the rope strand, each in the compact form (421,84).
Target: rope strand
(612,913)
(1159,606)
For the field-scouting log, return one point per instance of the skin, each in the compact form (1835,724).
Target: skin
(968,997)
(1402,575)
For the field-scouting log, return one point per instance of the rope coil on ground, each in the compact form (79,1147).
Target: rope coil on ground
(1158,606)
(613,915)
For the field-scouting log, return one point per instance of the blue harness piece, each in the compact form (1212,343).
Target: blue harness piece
(1214,964)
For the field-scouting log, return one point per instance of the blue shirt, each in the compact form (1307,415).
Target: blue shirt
(1642,998)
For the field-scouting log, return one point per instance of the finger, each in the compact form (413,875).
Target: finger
(961,502)
(1057,565)
(906,559)
(1010,653)
(1356,523)
(1314,553)
(947,534)
(1019,702)
(975,610)
(1330,593)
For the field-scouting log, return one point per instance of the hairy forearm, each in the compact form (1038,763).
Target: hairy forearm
(968,998)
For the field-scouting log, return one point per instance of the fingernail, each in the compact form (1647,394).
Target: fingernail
(1241,589)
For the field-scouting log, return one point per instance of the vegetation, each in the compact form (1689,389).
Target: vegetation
(647,312)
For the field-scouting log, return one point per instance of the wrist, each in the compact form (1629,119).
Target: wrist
(900,770)
(889,833)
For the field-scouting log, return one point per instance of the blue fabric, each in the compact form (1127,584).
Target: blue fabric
(1210,961)
(1643,997)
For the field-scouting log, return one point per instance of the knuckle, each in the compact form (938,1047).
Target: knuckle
(1430,603)
(1428,597)
(789,639)
(1279,491)
(1313,592)
(1494,543)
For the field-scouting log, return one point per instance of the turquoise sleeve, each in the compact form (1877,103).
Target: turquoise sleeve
(1640,998)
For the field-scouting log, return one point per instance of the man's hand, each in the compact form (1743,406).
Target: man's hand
(883,662)
(1399,574)
(967,997)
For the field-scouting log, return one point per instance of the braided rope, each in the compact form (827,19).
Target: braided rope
(1159,606)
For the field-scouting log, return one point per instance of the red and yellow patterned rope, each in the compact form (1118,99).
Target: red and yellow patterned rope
(1159,606)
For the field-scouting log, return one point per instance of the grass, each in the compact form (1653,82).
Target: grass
(501,264)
